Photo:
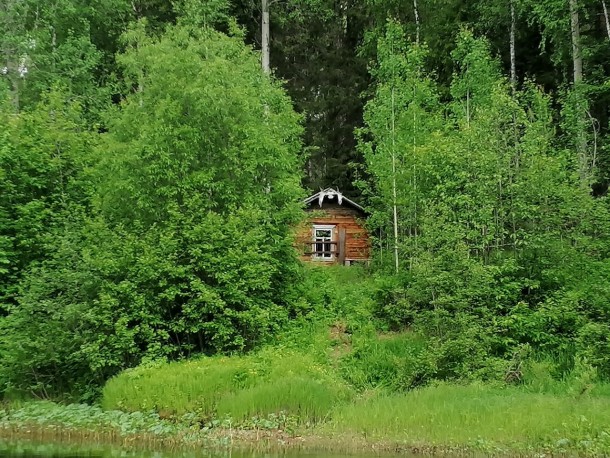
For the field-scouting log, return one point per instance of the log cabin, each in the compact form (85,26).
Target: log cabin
(333,231)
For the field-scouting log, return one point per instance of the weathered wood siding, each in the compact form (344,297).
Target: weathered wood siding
(357,243)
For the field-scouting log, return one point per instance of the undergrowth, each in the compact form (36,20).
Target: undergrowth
(337,371)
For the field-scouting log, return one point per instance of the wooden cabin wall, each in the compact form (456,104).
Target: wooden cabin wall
(357,244)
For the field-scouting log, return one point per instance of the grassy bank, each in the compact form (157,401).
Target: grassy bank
(337,381)
(442,419)
(482,417)
(306,398)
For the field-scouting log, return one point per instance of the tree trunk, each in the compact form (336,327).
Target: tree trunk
(15,96)
(513,59)
(394,197)
(395,210)
(417,23)
(576,46)
(581,140)
(137,10)
(606,18)
(265,60)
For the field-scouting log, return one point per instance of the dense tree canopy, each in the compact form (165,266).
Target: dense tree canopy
(181,246)
(151,173)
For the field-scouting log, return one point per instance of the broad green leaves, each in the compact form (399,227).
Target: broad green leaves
(43,154)
(204,131)
(185,245)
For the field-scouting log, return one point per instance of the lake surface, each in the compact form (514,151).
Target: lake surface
(25,449)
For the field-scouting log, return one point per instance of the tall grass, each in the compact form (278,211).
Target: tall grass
(306,398)
(389,360)
(465,415)
(179,387)
(240,387)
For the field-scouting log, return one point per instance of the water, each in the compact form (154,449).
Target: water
(27,449)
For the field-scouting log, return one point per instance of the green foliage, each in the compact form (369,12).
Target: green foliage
(159,228)
(400,119)
(482,417)
(187,247)
(55,44)
(497,236)
(547,376)
(191,150)
(393,361)
(263,383)
(82,417)
(314,48)
(331,293)
(43,154)
(203,13)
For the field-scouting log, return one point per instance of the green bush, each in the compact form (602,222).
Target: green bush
(339,292)
(593,345)
(187,246)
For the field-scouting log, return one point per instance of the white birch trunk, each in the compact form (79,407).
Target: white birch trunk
(265,58)
(395,211)
(576,46)
(394,194)
(417,23)
(581,142)
(513,58)
(468,107)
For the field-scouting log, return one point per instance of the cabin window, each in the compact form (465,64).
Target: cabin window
(323,244)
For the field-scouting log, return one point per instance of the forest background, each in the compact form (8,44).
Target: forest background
(151,174)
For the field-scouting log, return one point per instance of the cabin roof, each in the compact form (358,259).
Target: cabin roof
(332,194)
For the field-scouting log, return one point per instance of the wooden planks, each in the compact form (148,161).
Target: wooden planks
(342,245)
(348,225)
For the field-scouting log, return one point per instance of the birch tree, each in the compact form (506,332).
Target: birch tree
(606,20)
(576,44)
(578,99)
(13,47)
(560,25)
(513,56)
(402,114)
(265,58)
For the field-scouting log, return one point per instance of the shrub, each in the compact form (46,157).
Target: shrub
(187,247)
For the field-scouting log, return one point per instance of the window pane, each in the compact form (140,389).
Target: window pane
(323,233)
(322,243)
(327,249)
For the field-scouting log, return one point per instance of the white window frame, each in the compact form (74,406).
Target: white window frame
(323,227)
